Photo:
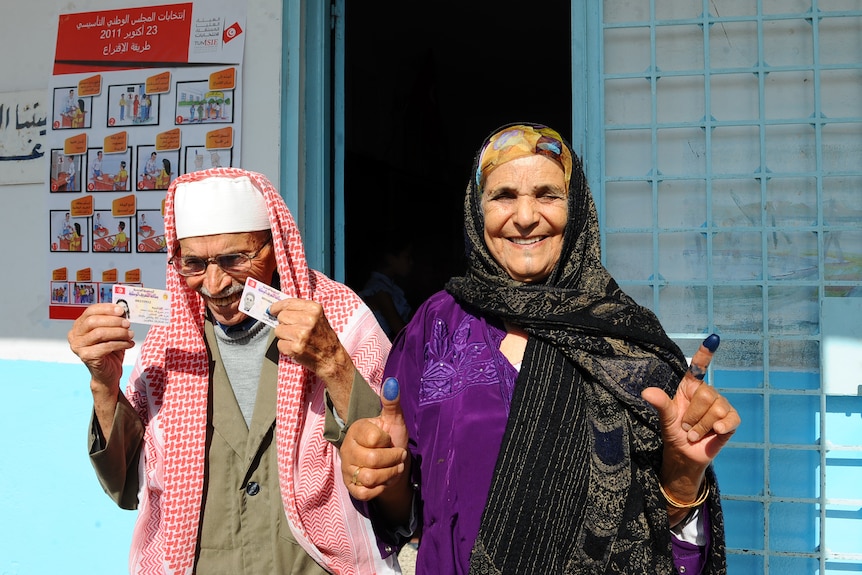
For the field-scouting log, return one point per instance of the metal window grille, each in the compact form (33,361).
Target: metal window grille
(729,186)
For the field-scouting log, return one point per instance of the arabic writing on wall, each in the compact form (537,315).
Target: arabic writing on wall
(23,122)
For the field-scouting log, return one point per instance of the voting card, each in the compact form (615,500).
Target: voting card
(143,305)
(256,299)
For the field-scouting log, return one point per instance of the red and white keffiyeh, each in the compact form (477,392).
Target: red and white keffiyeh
(168,388)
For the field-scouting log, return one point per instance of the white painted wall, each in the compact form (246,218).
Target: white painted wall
(55,518)
(27,36)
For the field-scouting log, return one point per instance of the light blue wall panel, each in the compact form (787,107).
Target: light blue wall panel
(56,518)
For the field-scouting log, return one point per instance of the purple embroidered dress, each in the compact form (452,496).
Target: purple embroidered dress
(455,391)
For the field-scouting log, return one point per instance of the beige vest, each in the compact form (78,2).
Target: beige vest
(244,528)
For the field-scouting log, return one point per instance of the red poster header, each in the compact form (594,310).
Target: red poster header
(123,38)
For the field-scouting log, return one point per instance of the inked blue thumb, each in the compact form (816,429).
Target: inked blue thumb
(390,389)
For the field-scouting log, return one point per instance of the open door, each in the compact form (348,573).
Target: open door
(423,85)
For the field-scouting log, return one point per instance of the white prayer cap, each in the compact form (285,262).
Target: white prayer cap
(219,205)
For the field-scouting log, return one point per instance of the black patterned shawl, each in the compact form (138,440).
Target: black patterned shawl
(575,488)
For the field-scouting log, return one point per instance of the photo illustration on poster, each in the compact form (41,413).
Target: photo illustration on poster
(137,97)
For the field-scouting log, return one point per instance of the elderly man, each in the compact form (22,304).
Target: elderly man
(222,440)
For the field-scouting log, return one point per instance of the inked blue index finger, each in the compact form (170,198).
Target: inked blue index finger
(711,343)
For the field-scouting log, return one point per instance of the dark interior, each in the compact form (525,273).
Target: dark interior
(424,84)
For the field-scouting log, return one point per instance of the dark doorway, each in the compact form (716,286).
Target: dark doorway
(424,84)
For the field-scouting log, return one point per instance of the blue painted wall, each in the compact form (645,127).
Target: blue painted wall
(55,518)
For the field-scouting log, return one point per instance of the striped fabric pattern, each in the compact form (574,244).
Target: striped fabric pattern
(168,388)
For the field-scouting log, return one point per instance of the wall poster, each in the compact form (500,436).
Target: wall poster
(137,97)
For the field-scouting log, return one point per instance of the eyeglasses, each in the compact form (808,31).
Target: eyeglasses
(228,263)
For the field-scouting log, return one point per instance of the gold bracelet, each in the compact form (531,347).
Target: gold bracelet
(702,496)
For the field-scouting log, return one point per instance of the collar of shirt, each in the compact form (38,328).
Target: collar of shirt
(245,325)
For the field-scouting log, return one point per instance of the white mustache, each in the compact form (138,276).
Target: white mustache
(232,289)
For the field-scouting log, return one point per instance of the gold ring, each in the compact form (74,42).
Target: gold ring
(355,480)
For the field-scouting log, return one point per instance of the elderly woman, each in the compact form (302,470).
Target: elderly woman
(519,434)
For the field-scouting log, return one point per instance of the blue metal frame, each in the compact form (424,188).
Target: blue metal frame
(291,121)
(306,142)
(338,271)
